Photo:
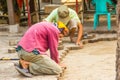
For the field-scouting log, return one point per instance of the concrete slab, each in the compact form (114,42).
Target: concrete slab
(95,61)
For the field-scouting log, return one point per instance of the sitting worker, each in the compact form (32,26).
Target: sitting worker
(32,49)
(70,18)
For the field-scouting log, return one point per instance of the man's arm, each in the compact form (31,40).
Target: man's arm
(53,45)
(80,32)
(80,27)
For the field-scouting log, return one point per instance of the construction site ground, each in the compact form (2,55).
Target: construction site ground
(96,61)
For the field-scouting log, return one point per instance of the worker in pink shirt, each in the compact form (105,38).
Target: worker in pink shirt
(32,50)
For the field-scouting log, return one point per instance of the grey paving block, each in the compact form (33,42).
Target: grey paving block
(67,50)
(13,42)
(60,43)
(60,47)
(85,41)
(11,50)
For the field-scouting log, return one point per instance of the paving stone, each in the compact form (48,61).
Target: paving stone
(11,50)
(60,58)
(67,51)
(93,40)
(75,48)
(13,42)
(60,43)
(62,55)
(88,36)
(60,47)
(85,41)
(62,74)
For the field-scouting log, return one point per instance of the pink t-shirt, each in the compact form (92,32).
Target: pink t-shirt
(41,36)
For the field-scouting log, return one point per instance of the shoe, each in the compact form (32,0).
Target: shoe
(22,71)
(24,64)
(17,64)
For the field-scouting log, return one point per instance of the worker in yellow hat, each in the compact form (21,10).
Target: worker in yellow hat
(70,18)
(62,28)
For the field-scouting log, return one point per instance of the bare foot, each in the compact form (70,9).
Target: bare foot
(24,64)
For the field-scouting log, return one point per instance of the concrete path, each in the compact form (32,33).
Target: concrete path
(95,61)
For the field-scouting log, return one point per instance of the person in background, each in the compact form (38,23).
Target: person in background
(32,49)
(70,18)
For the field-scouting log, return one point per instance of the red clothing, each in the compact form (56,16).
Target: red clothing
(41,36)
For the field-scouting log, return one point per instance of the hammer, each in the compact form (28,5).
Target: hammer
(3,58)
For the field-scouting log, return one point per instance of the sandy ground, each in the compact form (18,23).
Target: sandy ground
(95,61)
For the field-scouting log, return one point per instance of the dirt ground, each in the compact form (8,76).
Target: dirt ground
(95,61)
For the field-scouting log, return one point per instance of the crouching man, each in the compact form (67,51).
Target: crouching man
(32,49)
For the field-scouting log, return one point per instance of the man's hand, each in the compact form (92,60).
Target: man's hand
(80,44)
(62,65)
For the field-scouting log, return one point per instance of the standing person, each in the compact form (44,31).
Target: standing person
(70,18)
(32,50)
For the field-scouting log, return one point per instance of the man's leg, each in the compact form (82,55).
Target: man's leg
(45,66)
(72,29)
(72,34)
(40,64)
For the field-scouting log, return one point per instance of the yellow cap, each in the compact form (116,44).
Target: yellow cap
(61,25)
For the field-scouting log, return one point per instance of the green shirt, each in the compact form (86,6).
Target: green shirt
(53,17)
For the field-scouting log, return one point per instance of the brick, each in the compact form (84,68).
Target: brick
(11,50)
(60,47)
(60,58)
(85,41)
(13,42)
(75,48)
(62,55)
(60,42)
(64,52)
(67,50)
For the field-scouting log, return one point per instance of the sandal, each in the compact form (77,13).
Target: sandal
(24,72)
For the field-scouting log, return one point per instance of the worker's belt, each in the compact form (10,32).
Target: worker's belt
(18,48)
(35,51)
